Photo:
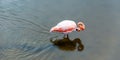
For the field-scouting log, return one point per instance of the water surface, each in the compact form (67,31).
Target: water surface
(25,24)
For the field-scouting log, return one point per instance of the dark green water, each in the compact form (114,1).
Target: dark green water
(25,25)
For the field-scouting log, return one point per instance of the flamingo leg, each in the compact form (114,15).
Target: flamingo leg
(66,36)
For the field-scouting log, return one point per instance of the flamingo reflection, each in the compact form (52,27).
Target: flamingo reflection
(67,44)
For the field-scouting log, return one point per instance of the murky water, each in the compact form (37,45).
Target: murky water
(25,24)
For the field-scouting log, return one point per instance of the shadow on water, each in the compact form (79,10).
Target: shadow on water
(67,44)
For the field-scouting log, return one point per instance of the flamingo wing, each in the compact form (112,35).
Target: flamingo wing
(66,26)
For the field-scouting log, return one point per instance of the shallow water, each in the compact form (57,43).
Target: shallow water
(25,25)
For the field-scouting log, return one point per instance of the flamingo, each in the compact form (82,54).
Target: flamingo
(68,26)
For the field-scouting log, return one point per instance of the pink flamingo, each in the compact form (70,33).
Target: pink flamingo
(67,26)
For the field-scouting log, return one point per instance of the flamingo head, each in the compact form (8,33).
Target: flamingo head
(80,26)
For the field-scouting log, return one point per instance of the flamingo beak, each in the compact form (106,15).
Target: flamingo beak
(82,28)
(78,30)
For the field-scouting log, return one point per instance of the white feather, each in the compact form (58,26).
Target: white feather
(65,24)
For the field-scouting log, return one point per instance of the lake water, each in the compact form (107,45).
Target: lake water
(25,25)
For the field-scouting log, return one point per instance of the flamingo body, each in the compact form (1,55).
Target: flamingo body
(65,26)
